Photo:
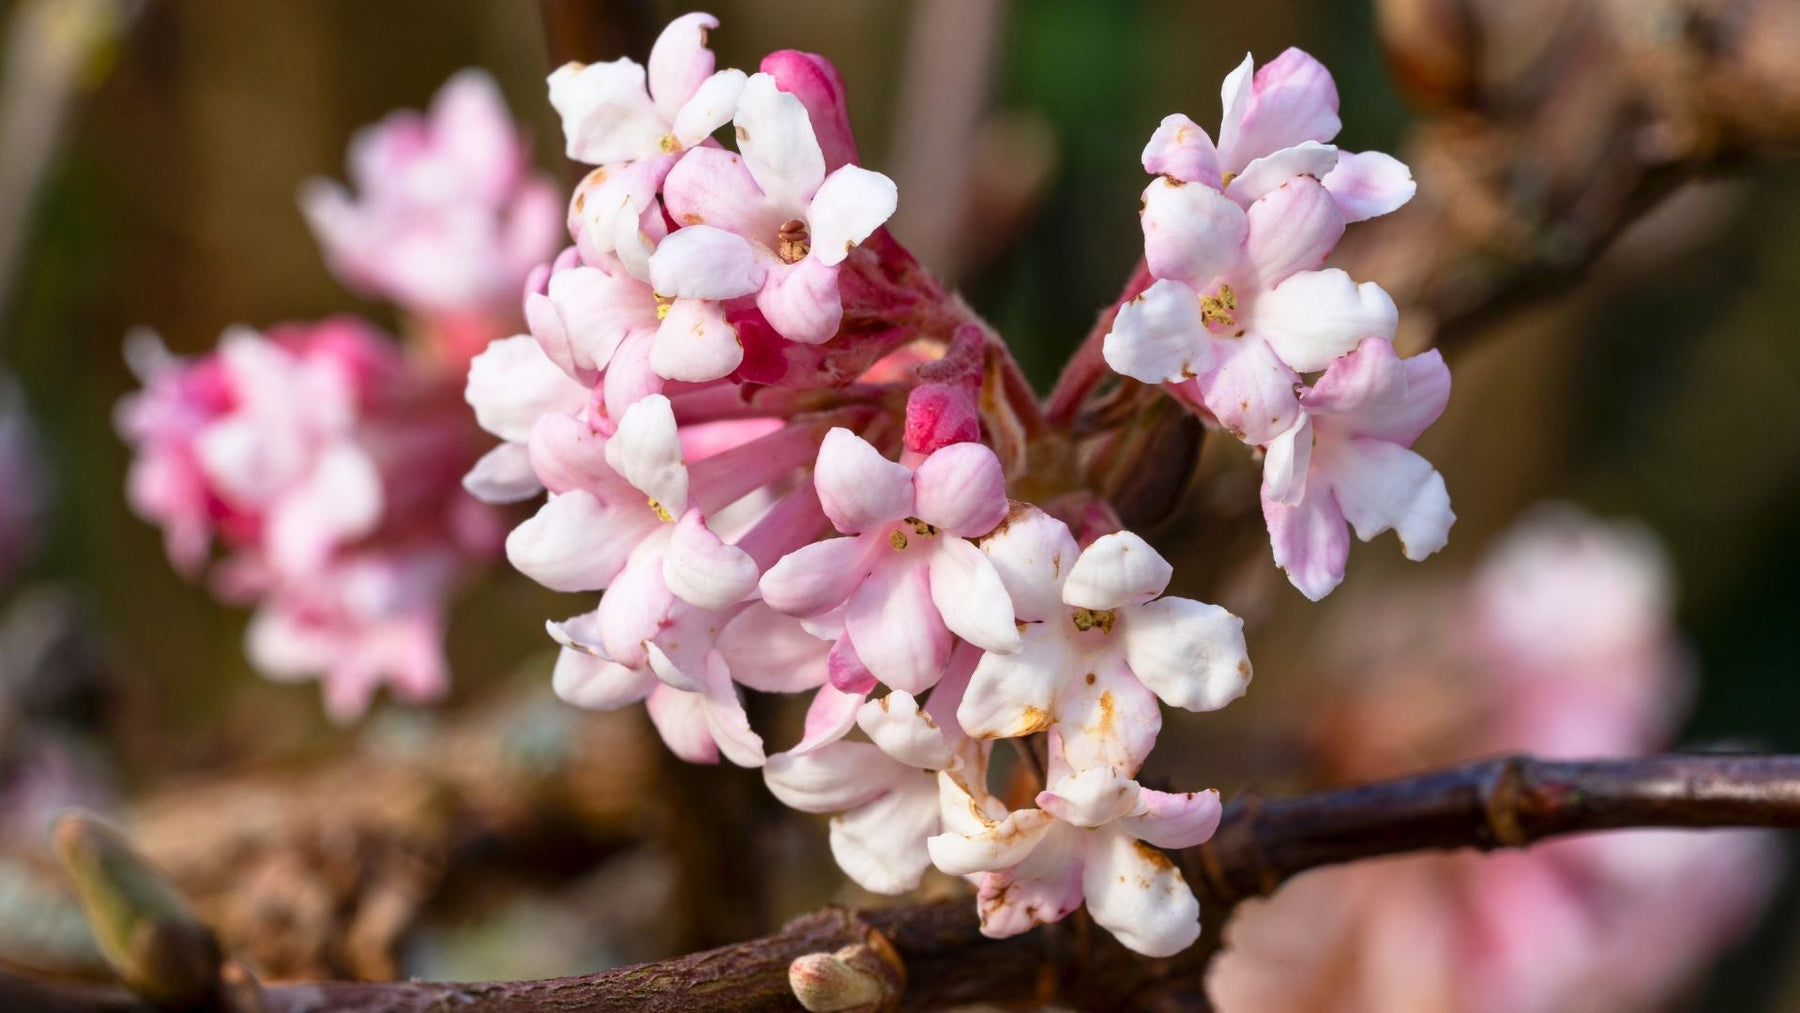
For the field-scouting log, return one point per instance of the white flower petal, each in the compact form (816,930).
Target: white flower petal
(1315,316)
(852,203)
(1116,570)
(1137,894)
(1189,653)
(1160,336)
(647,452)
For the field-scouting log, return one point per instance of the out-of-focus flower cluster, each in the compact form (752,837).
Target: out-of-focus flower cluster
(323,460)
(785,455)
(1239,311)
(1564,649)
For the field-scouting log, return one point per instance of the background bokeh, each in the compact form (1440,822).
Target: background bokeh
(1664,386)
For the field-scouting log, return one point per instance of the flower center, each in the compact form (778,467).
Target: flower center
(1220,308)
(897,537)
(1090,619)
(662,512)
(793,242)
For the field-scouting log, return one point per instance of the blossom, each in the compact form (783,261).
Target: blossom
(1239,306)
(324,465)
(1348,459)
(621,112)
(1035,868)
(768,221)
(371,619)
(1098,648)
(1276,122)
(1559,644)
(907,578)
(633,125)
(448,218)
(883,793)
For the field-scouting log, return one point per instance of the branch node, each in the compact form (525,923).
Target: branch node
(1502,797)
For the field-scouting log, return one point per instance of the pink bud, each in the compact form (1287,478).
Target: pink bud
(817,84)
(937,415)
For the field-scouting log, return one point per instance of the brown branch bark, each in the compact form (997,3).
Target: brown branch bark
(1506,802)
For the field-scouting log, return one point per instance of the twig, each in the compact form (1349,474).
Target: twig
(1506,802)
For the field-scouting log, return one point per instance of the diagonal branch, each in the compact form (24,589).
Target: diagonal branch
(1505,802)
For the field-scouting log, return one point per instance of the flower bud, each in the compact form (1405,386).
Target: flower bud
(863,978)
(939,414)
(815,81)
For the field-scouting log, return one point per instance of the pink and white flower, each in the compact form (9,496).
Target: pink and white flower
(1099,647)
(1348,460)
(1276,124)
(768,221)
(908,578)
(1240,308)
(634,123)
(883,794)
(1033,868)
(448,218)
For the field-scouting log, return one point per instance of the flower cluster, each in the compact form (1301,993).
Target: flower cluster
(1564,645)
(1240,309)
(449,217)
(322,458)
(790,461)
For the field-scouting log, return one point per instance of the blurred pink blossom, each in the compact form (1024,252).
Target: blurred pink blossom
(1566,650)
(448,217)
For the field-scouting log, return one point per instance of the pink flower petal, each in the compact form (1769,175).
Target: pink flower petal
(895,627)
(568,544)
(702,570)
(1369,183)
(712,186)
(1372,392)
(647,452)
(705,262)
(859,489)
(1309,540)
(1292,99)
(680,61)
(1315,316)
(1192,233)
(1309,158)
(779,147)
(1182,149)
(829,718)
(1251,391)
(695,343)
(801,301)
(833,778)
(817,578)
(606,112)
(1381,485)
(1032,551)
(961,490)
(1292,228)
(1175,820)
(512,383)
(905,732)
(1012,695)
